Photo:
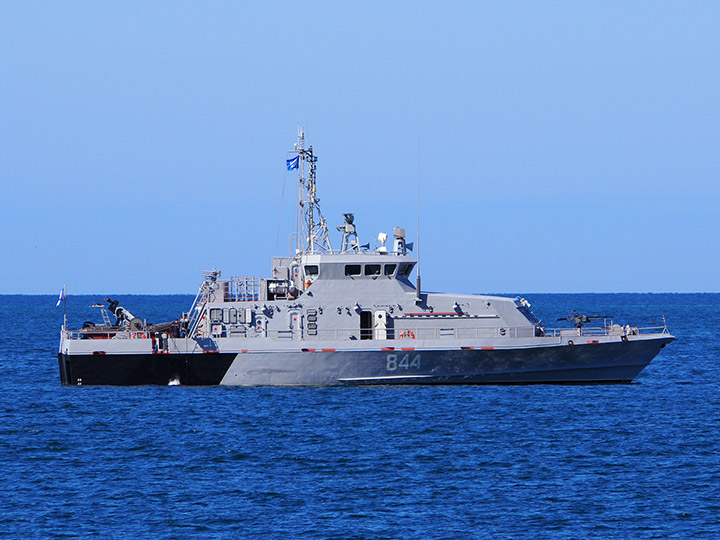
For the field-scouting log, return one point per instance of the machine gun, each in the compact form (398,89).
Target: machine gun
(578,319)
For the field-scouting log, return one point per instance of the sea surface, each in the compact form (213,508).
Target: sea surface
(631,461)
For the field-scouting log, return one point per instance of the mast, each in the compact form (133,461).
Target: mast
(312,232)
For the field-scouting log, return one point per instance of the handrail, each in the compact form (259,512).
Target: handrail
(242,289)
(404,333)
(194,313)
(409,333)
(607,330)
(120,334)
(294,236)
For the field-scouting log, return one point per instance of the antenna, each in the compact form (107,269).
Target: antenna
(418,297)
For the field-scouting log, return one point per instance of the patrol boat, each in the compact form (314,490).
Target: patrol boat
(348,316)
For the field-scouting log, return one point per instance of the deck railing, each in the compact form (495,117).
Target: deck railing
(609,330)
(408,333)
(400,333)
(242,289)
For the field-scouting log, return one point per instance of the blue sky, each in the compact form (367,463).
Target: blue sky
(562,146)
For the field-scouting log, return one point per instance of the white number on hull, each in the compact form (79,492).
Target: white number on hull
(393,364)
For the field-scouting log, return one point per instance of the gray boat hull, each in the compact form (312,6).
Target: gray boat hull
(611,362)
(614,361)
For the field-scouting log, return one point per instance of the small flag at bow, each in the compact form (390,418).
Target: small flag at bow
(293,163)
(61,297)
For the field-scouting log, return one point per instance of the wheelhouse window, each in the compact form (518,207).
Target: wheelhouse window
(352,269)
(311,270)
(390,269)
(405,270)
(372,269)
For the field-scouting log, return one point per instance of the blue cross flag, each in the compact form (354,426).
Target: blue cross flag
(293,163)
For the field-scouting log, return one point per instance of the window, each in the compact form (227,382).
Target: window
(390,269)
(372,269)
(352,269)
(405,270)
(216,315)
(311,270)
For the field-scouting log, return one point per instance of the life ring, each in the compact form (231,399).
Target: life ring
(407,334)
(137,335)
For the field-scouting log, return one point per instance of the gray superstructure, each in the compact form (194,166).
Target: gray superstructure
(350,316)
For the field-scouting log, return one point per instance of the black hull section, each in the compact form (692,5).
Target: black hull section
(145,369)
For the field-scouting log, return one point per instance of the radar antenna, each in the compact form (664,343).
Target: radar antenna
(312,230)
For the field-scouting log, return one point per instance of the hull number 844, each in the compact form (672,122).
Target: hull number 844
(398,362)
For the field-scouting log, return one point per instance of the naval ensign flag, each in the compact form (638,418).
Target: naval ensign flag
(293,163)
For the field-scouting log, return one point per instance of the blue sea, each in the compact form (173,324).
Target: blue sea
(629,461)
